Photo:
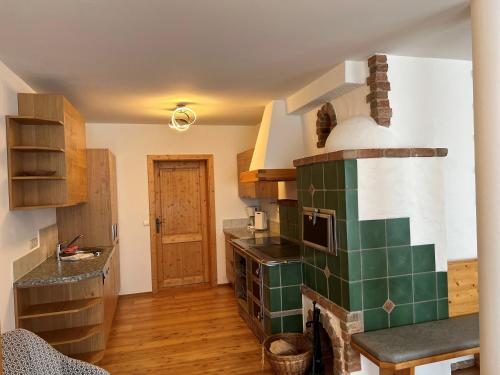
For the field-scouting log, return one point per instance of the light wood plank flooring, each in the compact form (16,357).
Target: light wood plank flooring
(192,332)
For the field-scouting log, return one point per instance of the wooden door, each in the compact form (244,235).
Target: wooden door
(181,227)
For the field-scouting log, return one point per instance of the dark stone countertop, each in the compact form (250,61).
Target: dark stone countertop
(244,232)
(407,343)
(51,272)
(269,250)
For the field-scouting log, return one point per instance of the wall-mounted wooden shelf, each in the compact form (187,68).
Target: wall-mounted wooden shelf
(29,120)
(58,308)
(48,135)
(36,149)
(263,175)
(70,335)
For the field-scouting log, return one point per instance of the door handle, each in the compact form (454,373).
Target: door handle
(158,225)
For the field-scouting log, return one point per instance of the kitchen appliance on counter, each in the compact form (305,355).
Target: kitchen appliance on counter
(260,220)
(251,216)
(319,229)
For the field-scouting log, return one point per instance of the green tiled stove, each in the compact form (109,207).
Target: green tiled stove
(376,270)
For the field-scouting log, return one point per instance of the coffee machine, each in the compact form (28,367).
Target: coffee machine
(251,216)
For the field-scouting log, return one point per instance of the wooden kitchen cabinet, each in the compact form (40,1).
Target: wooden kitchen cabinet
(76,318)
(229,259)
(46,153)
(261,189)
(97,219)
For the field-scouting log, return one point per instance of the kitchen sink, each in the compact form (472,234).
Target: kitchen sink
(82,253)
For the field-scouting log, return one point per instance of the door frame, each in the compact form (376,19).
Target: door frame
(212,243)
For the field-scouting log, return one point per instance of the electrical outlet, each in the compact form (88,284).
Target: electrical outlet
(34,243)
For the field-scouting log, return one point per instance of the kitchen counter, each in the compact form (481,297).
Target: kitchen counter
(269,250)
(244,232)
(51,272)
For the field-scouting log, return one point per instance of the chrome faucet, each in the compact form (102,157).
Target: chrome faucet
(61,247)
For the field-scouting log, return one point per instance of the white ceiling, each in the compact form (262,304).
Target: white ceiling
(131,60)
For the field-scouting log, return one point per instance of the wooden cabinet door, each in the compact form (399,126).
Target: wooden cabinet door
(181,211)
(229,259)
(113,196)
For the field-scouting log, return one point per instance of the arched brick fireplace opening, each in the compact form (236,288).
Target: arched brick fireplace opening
(338,325)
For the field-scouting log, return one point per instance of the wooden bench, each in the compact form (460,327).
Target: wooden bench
(399,350)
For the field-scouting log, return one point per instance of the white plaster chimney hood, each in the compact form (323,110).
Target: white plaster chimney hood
(279,142)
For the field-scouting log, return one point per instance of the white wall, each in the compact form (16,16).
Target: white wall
(16,227)
(131,143)
(432,107)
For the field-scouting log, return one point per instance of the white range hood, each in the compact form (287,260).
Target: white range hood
(279,142)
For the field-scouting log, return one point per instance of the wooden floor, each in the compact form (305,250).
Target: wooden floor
(196,332)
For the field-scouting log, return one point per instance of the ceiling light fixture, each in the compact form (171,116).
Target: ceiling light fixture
(182,118)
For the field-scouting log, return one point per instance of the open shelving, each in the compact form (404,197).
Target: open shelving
(46,153)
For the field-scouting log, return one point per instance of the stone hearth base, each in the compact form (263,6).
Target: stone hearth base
(339,325)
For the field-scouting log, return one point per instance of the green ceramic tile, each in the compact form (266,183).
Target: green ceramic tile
(272,299)
(401,316)
(310,276)
(319,199)
(442,284)
(341,208)
(309,255)
(292,215)
(401,289)
(354,265)
(399,260)
(350,265)
(374,263)
(299,172)
(352,228)
(317,176)
(333,262)
(372,234)
(345,295)
(334,290)
(272,325)
(291,298)
(291,274)
(348,175)
(425,311)
(424,286)
(306,198)
(351,204)
(375,319)
(284,229)
(442,305)
(305,181)
(398,232)
(374,293)
(293,231)
(355,296)
(330,171)
(423,258)
(321,283)
(292,323)
(341,234)
(283,213)
(331,200)
(271,276)
(320,259)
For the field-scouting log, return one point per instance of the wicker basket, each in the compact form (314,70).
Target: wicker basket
(290,364)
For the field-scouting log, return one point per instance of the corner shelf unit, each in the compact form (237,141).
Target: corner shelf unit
(46,153)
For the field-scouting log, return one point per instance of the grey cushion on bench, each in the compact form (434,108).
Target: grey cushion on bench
(401,344)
